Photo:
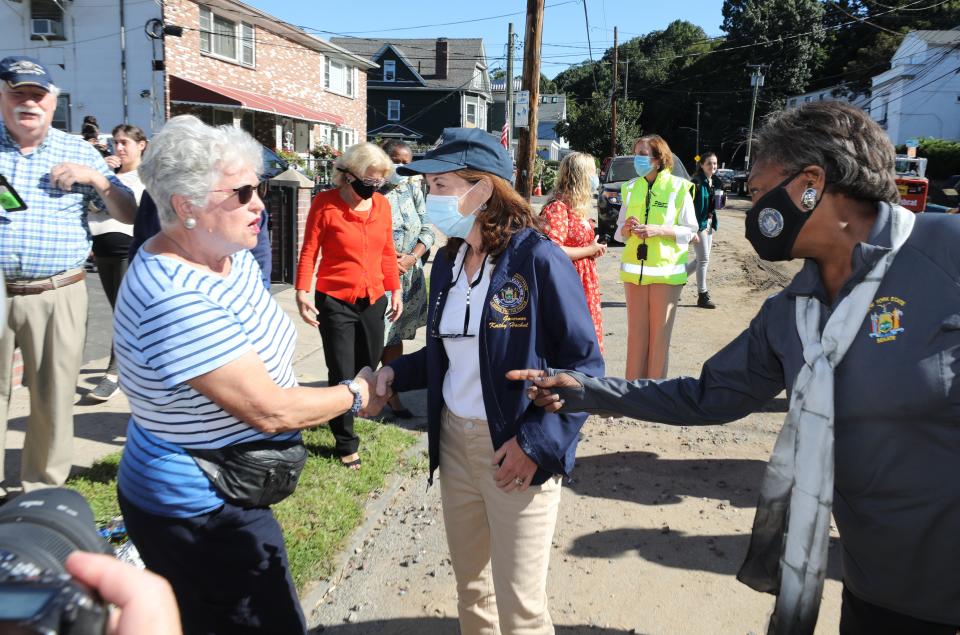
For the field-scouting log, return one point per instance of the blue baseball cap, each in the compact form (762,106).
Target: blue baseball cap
(20,70)
(463,148)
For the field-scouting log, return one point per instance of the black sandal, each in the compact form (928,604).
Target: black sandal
(351,465)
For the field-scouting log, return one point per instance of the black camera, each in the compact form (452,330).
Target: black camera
(37,596)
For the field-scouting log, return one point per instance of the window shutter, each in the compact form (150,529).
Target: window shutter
(205,28)
(247,41)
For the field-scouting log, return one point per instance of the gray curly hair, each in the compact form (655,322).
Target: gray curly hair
(187,157)
(852,148)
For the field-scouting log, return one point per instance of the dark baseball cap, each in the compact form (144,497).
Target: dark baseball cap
(463,148)
(20,70)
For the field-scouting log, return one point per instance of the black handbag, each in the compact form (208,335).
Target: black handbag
(254,474)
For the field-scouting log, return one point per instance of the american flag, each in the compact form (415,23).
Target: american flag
(505,135)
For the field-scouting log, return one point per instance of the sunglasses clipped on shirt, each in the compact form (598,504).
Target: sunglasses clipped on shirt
(435,327)
(245,192)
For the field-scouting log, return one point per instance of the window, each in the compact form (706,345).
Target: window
(225,38)
(46,20)
(390,71)
(477,81)
(393,109)
(338,78)
(554,99)
(471,114)
(61,116)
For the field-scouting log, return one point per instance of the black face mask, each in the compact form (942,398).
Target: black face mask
(363,190)
(775,221)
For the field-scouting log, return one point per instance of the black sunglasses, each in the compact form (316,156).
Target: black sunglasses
(245,192)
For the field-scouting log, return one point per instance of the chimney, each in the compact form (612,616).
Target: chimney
(442,57)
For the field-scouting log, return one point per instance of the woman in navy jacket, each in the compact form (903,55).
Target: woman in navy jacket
(502,296)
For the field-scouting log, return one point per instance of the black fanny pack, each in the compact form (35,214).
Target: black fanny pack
(253,474)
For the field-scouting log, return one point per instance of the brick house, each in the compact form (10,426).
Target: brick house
(234,64)
(223,60)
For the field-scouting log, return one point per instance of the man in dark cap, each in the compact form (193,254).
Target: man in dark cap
(43,246)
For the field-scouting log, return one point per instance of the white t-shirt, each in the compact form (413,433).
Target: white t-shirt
(101,222)
(462,390)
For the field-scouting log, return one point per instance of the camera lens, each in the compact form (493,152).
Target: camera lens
(40,529)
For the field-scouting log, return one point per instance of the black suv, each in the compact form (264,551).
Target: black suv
(614,175)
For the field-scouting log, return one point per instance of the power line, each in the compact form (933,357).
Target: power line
(593,68)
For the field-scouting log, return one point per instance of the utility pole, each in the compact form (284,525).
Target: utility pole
(527,141)
(509,95)
(613,99)
(698,127)
(626,79)
(756,80)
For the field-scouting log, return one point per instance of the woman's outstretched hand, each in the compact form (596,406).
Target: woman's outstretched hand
(542,391)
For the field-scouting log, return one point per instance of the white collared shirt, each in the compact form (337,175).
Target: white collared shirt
(462,391)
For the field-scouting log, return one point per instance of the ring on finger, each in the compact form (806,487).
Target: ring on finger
(518,481)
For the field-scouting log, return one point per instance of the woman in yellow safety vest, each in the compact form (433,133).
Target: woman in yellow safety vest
(657,222)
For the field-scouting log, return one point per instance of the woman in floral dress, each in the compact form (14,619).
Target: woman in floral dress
(412,239)
(565,217)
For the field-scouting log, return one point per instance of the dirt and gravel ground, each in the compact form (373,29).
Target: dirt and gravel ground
(653,525)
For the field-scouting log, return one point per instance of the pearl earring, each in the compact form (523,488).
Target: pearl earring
(190,222)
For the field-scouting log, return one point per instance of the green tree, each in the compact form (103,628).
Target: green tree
(587,126)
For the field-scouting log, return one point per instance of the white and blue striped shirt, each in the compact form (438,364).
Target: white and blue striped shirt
(173,323)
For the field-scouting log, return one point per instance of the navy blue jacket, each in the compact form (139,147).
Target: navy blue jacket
(535,316)
(147,223)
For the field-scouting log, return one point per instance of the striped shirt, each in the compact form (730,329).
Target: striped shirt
(173,323)
(51,235)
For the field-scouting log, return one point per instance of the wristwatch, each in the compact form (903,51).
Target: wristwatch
(354,387)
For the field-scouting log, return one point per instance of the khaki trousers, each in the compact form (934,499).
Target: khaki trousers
(651,310)
(499,541)
(50,328)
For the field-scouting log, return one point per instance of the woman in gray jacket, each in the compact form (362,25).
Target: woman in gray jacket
(871,318)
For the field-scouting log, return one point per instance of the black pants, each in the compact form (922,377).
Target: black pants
(228,569)
(352,336)
(111,271)
(859,617)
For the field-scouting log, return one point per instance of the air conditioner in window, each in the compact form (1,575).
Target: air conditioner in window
(47,27)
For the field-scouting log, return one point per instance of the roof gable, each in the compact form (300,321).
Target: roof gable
(387,48)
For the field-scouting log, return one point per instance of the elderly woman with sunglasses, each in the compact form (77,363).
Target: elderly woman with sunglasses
(205,357)
(351,229)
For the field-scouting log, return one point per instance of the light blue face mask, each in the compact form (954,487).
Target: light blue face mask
(444,212)
(395,178)
(642,165)
(594,182)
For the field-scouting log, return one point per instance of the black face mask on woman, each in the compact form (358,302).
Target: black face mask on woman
(775,221)
(363,190)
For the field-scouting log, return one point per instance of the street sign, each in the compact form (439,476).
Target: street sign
(521,109)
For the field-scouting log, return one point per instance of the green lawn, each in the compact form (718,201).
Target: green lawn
(326,507)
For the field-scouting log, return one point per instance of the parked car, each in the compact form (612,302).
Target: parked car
(726,178)
(739,185)
(613,175)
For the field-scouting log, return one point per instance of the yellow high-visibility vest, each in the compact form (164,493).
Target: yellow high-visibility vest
(666,262)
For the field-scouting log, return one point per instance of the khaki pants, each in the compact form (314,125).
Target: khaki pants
(499,541)
(651,310)
(50,328)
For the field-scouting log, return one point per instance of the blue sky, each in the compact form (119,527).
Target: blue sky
(564,32)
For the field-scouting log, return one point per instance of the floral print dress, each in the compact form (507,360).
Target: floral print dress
(408,206)
(566,228)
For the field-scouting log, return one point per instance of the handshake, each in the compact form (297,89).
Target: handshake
(377,388)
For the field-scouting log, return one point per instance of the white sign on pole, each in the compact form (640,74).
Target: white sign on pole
(521,109)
